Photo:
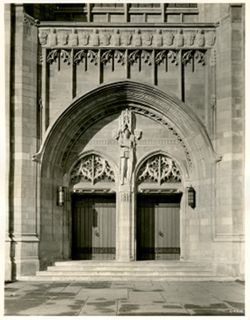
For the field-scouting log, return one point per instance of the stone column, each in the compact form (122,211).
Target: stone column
(24,224)
(124,224)
(7,23)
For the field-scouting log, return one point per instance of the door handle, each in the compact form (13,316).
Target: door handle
(161,234)
(97,234)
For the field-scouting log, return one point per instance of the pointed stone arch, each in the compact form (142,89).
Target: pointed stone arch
(142,98)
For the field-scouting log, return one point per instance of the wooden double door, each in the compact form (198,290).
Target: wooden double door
(93,227)
(158,227)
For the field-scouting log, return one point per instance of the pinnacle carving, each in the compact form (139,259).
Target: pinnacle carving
(92,168)
(159,169)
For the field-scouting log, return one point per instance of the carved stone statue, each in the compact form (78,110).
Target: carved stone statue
(127,142)
(73,39)
(52,38)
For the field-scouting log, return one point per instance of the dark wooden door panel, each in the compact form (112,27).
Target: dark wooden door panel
(158,227)
(93,227)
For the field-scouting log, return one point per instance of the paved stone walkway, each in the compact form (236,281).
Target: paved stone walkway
(124,298)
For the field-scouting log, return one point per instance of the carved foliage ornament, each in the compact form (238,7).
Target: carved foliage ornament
(92,168)
(159,169)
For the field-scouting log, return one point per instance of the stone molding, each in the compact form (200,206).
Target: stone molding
(126,38)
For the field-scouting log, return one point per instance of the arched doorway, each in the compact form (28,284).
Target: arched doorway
(92,188)
(91,124)
(159,192)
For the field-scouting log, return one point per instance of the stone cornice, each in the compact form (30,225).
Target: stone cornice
(127,25)
(120,37)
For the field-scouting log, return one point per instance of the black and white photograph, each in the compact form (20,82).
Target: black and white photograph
(124,158)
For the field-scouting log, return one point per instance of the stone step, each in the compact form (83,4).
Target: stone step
(128,268)
(121,273)
(57,278)
(131,263)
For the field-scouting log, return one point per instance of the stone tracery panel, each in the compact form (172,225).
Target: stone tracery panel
(159,169)
(92,168)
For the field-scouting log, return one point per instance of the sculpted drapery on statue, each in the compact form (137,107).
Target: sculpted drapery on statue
(127,136)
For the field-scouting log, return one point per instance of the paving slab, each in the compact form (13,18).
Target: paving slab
(95,306)
(124,298)
(125,308)
(144,297)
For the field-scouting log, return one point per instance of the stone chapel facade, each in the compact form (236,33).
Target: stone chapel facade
(125,135)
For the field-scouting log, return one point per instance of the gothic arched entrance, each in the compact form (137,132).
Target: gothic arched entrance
(133,123)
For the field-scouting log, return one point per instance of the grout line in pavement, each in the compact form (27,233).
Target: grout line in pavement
(84,304)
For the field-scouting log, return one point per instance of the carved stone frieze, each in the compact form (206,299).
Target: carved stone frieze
(159,169)
(93,56)
(123,37)
(92,168)
(191,55)
(119,56)
(106,56)
(52,56)
(79,56)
